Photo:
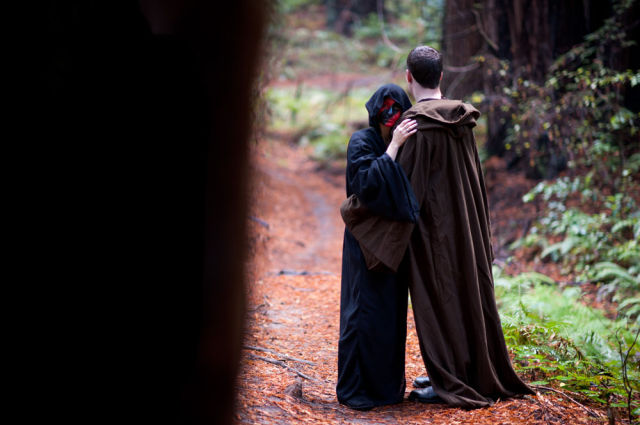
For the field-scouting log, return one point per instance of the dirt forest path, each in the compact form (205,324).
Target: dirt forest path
(289,363)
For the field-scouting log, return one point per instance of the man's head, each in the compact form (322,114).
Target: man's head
(425,65)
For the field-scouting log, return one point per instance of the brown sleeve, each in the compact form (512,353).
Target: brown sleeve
(383,241)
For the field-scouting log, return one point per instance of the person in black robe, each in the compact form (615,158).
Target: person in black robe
(373,305)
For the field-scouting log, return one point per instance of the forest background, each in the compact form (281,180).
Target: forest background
(558,85)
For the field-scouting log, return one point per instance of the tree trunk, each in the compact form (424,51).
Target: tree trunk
(529,34)
(133,220)
(461,42)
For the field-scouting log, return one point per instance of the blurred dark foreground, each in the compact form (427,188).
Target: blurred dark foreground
(129,210)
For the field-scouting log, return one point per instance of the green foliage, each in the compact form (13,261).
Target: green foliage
(289,6)
(577,114)
(603,246)
(300,50)
(321,118)
(329,141)
(407,23)
(300,45)
(557,339)
(621,284)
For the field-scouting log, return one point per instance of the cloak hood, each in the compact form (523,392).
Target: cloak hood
(442,113)
(374,104)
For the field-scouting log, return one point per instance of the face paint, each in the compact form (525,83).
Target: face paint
(390,112)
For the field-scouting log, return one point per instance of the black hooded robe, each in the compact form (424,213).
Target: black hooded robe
(373,305)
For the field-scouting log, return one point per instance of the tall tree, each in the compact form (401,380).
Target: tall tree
(460,45)
(529,34)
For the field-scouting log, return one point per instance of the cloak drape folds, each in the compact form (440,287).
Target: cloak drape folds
(373,305)
(449,258)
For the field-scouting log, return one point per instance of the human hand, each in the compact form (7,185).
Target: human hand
(400,135)
(402,132)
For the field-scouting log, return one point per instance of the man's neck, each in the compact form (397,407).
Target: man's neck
(420,93)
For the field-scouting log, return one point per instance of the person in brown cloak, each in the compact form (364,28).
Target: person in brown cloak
(448,252)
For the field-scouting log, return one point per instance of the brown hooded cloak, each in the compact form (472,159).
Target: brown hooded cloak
(449,257)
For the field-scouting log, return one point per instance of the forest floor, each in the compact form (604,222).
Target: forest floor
(289,361)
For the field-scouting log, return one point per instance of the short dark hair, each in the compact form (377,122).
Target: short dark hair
(425,64)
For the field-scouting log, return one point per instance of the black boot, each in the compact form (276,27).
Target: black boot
(422,382)
(425,395)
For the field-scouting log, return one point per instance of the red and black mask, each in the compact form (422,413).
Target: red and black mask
(390,112)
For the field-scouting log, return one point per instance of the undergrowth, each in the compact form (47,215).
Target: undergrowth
(588,223)
(322,118)
(558,340)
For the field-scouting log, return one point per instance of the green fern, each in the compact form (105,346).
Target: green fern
(561,248)
(607,271)
(630,222)
(631,307)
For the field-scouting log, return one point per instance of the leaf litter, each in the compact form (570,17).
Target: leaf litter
(289,363)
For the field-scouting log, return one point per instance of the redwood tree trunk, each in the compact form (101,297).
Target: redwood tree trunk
(461,43)
(529,34)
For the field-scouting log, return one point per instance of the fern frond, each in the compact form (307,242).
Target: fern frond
(629,222)
(607,271)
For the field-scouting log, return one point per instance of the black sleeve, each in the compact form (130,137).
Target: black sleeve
(379,182)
